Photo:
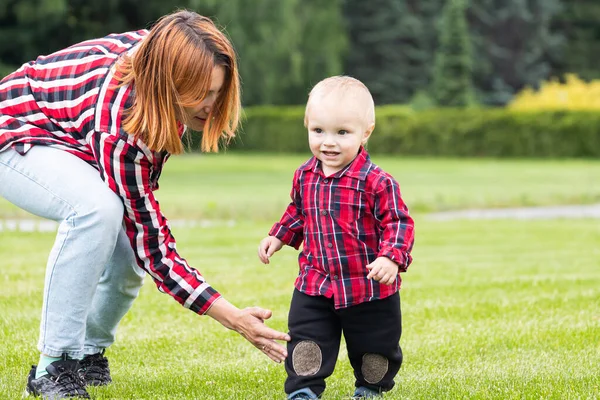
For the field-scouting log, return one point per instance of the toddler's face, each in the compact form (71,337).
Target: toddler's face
(337,127)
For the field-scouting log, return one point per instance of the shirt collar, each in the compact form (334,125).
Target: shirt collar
(358,168)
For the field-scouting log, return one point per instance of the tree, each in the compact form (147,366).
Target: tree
(389,47)
(33,26)
(323,44)
(579,23)
(515,45)
(39,27)
(453,82)
(283,46)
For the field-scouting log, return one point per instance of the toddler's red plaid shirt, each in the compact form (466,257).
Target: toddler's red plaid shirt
(346,221)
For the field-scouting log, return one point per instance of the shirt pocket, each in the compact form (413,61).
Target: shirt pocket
(350,205)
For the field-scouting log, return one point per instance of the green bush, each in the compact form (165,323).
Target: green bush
(438,132)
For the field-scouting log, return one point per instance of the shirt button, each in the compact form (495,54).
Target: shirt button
(335,277)
(325,180)
(323,212)
(330,245)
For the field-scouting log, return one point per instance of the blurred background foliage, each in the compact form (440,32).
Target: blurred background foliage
(572,94)
(435,62)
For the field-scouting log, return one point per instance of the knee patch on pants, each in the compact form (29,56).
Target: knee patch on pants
(307,358)
(374,367)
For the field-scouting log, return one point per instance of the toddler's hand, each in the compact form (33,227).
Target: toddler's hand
(383,270)
(267,247)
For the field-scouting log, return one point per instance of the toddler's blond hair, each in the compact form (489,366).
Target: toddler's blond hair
(343,85)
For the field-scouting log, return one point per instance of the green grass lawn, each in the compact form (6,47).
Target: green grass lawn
(257,187)
(494,309)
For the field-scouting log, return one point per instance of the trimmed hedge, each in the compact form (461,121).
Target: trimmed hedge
(439,132)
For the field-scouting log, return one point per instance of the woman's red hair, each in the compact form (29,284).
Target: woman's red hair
(171,70)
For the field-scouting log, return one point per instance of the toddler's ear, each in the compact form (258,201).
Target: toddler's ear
(367,133)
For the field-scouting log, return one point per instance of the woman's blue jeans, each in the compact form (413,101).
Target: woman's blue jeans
(91,276)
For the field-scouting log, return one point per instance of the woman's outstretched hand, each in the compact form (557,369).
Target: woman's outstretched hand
(249,323)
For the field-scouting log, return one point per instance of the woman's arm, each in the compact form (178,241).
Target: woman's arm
(126,169)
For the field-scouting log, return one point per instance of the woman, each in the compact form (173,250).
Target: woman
(84,134)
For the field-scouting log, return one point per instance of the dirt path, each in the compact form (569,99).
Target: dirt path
(42,225)
(577,211)
(554,212)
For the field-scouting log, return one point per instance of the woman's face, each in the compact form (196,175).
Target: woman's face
(195,117)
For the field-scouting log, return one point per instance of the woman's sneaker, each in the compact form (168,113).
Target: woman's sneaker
(94,370)
(61,382)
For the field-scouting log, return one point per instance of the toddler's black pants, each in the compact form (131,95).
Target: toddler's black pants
(372,332)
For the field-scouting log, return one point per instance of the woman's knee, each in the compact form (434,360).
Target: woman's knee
(133,283)
(124,278)
(104,212)
(122,267)
(111,209)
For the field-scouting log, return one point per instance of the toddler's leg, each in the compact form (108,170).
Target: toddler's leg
(57,185)
(118,288)
(315,330)
(372,331)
